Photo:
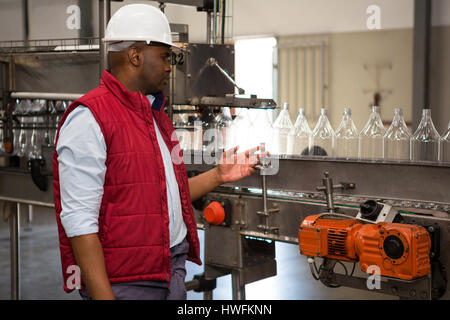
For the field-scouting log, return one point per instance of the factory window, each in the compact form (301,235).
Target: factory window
(254,60)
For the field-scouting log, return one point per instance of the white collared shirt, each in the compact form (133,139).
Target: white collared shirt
(81,152)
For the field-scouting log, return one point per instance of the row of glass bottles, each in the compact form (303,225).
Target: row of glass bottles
(253,127)
(373,142)
(36,125)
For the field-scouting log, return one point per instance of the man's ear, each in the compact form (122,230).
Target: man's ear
(134,56)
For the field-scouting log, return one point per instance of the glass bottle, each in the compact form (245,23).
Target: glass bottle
(26,106)
(299,136)
(240,130)
(17,107)
(261,130)
(445,145)
(347,137)
(425,141)
(60,106)
(38,106)
(24,139)
(16,136)
(372,136)
(223,121)
(34,150)
(396,140)
(322,138)
(281,128)
(209,129)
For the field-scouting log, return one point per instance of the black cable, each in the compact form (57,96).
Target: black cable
(353,269)
(343,266)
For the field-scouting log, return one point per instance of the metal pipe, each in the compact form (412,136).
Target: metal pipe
(223,20)
(26,22)
(208,27)
(238,289)
(305,66)
(322,75)
(313,81)
(264,190)
(46,95)
(104,14)
(296,76)
(12,74)
(30,218)
(24,201)
(214,38)
(5,84)
(421,58)
(15,253)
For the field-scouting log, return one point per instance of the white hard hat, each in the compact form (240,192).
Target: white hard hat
(138,22)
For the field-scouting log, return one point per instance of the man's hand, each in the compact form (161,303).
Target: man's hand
(232,167)
(235,166)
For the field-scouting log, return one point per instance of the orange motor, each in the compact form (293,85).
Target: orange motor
(398,250)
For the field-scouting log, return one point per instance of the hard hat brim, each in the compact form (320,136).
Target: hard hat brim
(171,44)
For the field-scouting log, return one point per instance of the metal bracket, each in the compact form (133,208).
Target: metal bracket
(328,188)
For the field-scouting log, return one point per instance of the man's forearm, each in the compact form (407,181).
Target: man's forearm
(89,256)
(204,183)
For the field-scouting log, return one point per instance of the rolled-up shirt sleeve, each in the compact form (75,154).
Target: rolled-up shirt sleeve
(81,153)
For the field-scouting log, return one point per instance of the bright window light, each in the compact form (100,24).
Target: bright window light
(254,66)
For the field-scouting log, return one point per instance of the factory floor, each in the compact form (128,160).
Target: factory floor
(41,274)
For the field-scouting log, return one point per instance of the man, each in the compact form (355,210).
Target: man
(123,206)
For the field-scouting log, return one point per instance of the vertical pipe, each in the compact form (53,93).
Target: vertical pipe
(296,77)
(215,23)
(104,13)
(15,252)
(12,74)
(275,77)
(208,27)
(26,22)
(421,58)
(322,75)
(313,80)
(5,84)
(288,82)
(223,20)
(30,218)
(305,74)
(86,30)
(238,289)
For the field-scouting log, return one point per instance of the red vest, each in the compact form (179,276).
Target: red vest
(133,218)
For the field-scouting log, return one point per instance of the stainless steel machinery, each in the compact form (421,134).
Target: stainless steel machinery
(257,211)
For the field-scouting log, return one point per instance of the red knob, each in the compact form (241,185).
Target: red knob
(214,213)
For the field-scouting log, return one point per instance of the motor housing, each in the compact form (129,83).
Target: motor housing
(399,250)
